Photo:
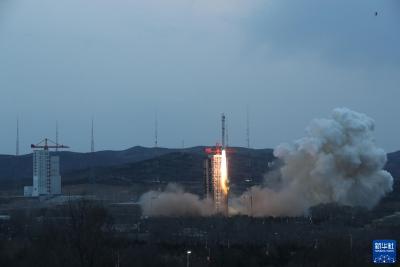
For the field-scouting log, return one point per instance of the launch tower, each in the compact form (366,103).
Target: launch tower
(216,182)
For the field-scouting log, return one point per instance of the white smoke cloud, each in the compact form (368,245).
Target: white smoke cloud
(173,201)
(337,162)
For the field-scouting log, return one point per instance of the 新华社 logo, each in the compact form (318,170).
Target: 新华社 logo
(384,251)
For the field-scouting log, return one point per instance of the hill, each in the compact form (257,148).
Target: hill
(183,166)
(14,169)
(141,164)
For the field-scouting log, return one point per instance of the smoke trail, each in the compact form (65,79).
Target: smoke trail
(174,202)
(338,161)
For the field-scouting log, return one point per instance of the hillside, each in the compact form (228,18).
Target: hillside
(393,164)
(140,164)
(177,166)
(19,168)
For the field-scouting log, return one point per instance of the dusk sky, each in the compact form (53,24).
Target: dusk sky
(123,61)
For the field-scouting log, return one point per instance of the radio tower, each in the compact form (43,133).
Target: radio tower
(56,135)
(247,127)
(156,131)
(92,178)
(157,162)
(92,137)
(249,165)
(17,141)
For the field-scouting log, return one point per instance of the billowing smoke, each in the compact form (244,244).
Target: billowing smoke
(337,162)
(173,201)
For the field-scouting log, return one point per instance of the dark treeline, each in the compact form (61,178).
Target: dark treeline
(83,233)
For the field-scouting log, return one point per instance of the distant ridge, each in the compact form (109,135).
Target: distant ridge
(19,168)
(184,166)
(137,164)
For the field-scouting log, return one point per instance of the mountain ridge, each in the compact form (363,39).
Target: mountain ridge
(145,164)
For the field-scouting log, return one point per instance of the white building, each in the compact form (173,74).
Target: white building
(46,174)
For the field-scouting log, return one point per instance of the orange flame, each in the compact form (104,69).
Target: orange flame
(224,173)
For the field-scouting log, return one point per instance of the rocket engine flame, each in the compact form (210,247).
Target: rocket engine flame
(224,173)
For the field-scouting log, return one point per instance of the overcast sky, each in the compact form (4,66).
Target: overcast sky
(123,61)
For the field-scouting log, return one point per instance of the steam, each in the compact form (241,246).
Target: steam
(337,162)
(173,201)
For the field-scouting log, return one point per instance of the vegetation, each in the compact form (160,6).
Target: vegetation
(83,233)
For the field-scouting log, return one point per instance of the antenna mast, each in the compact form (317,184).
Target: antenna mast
(17,141)
(156,131)
(56,135)
(249,165)
(92,178)
(92,137)
(247,127)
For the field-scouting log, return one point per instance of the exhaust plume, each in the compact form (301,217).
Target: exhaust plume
(173,201)
(336,162)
